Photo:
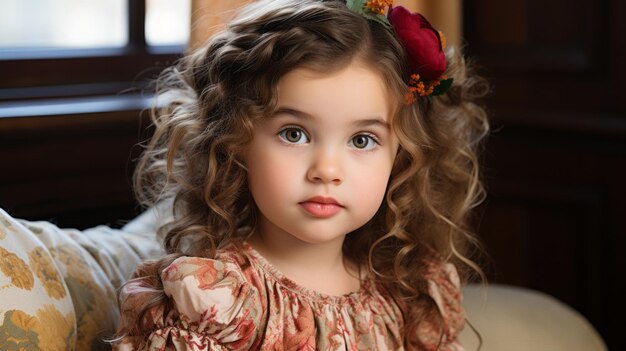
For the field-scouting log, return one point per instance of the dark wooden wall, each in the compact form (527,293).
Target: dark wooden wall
(74,170)
(70,122)
(555,165)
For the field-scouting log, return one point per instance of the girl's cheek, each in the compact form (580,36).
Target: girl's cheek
(282,166)
(373,172)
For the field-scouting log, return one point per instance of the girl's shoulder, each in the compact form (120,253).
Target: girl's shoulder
(198,284)
(223,270)
(209,302)
(212,302)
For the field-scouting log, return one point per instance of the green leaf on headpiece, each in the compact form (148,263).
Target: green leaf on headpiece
(443,86)
(358,6)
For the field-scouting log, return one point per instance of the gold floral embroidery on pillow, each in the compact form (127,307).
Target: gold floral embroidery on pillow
(77,267)
(54,330)
(47,273)
(48,330)
(15,268)
(16,331)
(90,301)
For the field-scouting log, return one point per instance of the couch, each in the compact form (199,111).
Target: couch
(58,292)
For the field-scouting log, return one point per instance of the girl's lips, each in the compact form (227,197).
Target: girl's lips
(324,200)
(321,210)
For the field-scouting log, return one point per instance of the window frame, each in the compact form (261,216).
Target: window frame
(44,74)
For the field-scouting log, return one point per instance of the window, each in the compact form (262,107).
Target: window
(167,22)
(74,48)
(62,24)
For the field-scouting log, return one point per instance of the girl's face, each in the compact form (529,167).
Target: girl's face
(319,167)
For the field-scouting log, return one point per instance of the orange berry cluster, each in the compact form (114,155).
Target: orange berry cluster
(378,6)
(418,88)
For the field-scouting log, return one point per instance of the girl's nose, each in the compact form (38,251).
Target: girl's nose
(325,168)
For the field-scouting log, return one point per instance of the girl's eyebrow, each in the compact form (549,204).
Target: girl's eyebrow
(372,122)
(360,123)
(292,111)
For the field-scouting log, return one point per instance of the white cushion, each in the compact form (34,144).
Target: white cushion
(514,318)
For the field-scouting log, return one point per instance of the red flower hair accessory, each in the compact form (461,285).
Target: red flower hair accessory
(423,44)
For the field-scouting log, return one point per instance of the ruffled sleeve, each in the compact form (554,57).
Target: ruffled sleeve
(444,286)
(213,308)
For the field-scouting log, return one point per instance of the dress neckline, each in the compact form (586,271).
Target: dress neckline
(282,279)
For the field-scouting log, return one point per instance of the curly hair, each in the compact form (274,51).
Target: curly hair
(209,102)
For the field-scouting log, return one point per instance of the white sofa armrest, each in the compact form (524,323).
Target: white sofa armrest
(518,319)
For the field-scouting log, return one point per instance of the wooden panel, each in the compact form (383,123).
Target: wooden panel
(73,170)
(122,67)
(535,35)
(556,162)
(557,54)
(553,220)
(556,234)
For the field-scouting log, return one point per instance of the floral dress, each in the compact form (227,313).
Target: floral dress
(239,301)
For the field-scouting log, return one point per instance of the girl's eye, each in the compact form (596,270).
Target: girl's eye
(293,135)
(363,142)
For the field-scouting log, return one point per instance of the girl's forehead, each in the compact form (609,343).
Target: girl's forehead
(355,90)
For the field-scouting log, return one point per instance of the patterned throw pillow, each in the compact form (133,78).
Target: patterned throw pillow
(91,290)
(58,286)
(36,310)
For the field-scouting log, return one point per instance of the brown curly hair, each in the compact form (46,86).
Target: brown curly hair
(206,108)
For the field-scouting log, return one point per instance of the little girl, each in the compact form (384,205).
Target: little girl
(320,158)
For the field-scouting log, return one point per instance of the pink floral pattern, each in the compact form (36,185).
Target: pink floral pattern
(241,302)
